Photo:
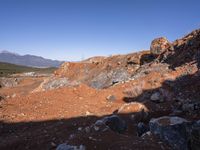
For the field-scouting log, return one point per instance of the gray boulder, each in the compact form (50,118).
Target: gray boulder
(174,130)
(114,122)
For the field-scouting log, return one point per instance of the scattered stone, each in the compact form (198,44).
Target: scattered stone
(65,146)
(14,95)
(80,129)
(53,144)
(111,98)
(100,126)
(87,129)
(157,97)
(146,134)
(87,113)
(173,130)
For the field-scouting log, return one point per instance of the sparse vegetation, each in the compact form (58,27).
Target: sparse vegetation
(8,69)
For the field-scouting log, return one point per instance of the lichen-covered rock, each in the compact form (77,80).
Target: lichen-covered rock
(160,45)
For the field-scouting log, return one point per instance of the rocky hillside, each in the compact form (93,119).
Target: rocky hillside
(145,100)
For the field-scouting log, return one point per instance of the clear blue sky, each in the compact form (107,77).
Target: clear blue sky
(72,29)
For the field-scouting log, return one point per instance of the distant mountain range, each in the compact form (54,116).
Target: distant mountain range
(28,60)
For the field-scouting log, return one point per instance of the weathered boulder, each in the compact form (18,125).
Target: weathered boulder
(160,45)
(174,130)
(65,146)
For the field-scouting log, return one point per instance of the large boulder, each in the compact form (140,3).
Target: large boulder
(174,130)
(160,45)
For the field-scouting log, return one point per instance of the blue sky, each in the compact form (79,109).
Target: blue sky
(76,29)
